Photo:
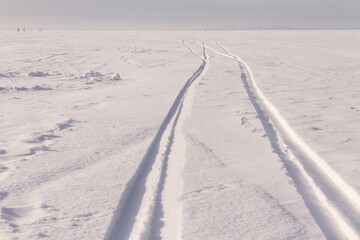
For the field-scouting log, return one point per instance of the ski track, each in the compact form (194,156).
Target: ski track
(334,204)
(149,207)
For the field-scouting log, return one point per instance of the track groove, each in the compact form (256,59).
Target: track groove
(334,204)
(141,206)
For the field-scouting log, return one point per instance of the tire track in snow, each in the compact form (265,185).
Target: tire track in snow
(149,207)
(334,204)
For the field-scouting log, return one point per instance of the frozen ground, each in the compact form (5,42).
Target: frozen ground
(180,135)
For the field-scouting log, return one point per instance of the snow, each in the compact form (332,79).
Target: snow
(179,134)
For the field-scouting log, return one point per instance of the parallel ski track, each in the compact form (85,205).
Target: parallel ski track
(334,204)
(140,209)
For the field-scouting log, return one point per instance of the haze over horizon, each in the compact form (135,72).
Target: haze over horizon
(177,14)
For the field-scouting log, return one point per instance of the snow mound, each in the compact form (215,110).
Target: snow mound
(115,77)
(93,80)
(38,74)
(93,74)
(41,88)
(21,89)
(93,77)
(8,75)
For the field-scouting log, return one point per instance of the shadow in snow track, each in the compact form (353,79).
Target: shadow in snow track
(124,218)
(156,222)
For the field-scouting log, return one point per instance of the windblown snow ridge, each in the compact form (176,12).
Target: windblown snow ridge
(334,204)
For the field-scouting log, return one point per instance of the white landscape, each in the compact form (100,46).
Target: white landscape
(180,134)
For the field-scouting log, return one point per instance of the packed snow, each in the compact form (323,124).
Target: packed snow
(180,134)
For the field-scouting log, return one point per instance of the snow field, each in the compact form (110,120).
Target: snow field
(105,135)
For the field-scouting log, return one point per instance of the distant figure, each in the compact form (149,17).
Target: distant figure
(205,30)
(39,29)
(23,29)
(18,29)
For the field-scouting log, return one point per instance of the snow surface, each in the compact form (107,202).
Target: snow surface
(180,135)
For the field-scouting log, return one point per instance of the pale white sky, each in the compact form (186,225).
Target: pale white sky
(176,13)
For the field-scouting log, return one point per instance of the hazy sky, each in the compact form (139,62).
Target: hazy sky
(177,13)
